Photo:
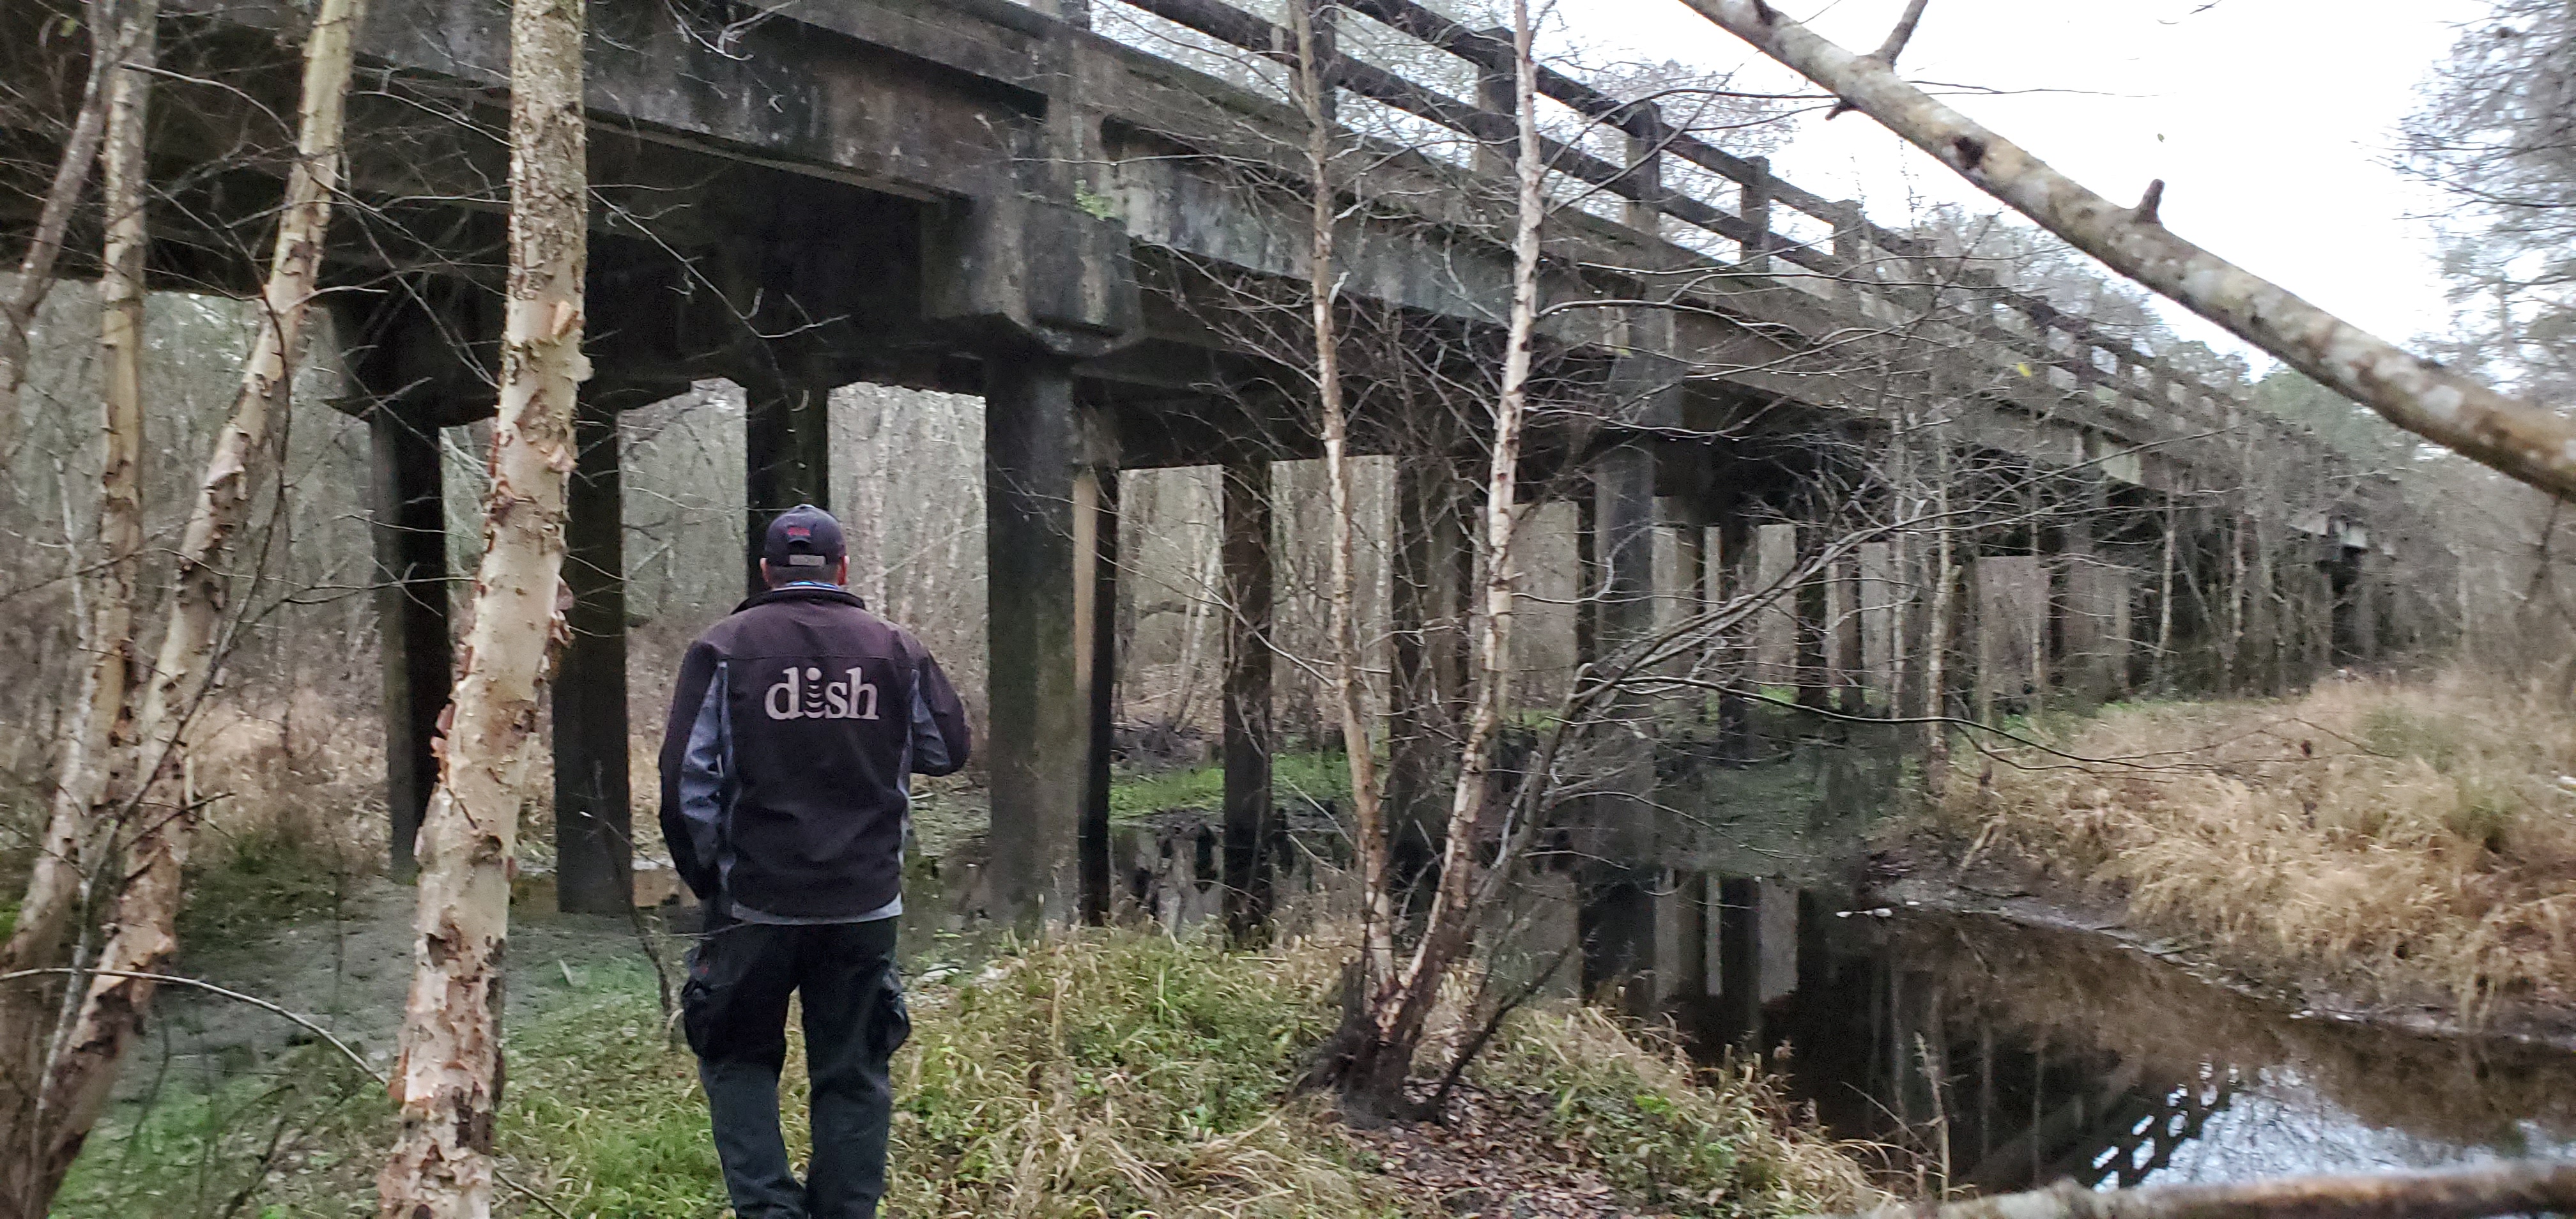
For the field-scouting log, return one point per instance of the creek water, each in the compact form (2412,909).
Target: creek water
(1999,1056)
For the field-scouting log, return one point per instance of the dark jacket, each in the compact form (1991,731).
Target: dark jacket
(793,731)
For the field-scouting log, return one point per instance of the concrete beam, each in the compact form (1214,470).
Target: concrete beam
(594,811)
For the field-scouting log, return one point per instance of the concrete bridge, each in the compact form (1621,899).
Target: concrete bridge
(973,196)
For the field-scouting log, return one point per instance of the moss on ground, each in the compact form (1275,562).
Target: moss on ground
(1316,775)
(1114,1073)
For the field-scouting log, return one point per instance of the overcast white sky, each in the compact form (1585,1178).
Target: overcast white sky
(2268,120)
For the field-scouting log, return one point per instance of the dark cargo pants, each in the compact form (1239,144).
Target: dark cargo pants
(734,1009)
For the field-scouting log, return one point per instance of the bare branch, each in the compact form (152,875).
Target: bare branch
(1888,51)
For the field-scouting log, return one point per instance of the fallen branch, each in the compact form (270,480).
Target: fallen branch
(2513,1187)
(2517,438)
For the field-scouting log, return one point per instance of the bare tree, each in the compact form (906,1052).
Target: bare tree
(1349,683)
(447,1080)
(1372,1054)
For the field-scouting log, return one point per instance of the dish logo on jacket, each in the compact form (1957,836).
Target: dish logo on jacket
(804,695)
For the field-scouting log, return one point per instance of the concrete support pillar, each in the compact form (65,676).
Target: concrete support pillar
(1040,715)
(1249,816)
(1681,937)
(1735,575)
(1851,672)
(1495,94)
(2369,597)
(1620,882)
(1615,920)
(1587,577)
(1647,135)
(787,458)
(594,811)
(1963,663)
(408,520)
(1691,539)
(2083,615)
(1095,529)
(1624,547)
(1427,597)
(1812,607)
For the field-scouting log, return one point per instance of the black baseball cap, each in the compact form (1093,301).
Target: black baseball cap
(804,539)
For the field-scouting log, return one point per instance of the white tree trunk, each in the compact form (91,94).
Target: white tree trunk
(140,938)
(1403,1005)
(2525,441)
(98,751)
(103,723)
(447,1080)
(1350,689)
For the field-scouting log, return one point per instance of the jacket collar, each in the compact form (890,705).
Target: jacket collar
(802,592)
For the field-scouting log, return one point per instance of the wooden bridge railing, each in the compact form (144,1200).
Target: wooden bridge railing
(2031,330)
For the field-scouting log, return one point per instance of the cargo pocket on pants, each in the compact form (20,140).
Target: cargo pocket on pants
(890,1023)
(697,996)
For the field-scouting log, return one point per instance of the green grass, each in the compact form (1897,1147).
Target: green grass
(297,1138)
(1313,775)
(1107,1074)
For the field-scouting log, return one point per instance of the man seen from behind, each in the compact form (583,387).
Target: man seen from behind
(795,729)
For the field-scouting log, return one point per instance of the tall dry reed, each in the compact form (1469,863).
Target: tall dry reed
(2374,840)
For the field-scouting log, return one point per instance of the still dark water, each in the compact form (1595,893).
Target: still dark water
(1998,1056)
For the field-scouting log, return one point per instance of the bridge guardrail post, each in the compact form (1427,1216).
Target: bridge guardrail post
(1754,204)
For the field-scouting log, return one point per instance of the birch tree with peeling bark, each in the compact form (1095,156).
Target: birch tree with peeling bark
(104,719)
(1372,1054)
(2517,438)
(447,1080)
(113,41)
(1350,688)
(81,1067)
(98,752)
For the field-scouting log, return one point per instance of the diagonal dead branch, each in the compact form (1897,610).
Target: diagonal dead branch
(2520,439)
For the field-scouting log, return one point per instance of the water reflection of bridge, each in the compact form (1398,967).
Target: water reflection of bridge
(1889,1048)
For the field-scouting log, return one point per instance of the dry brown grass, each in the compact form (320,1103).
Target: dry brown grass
(2389,841)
